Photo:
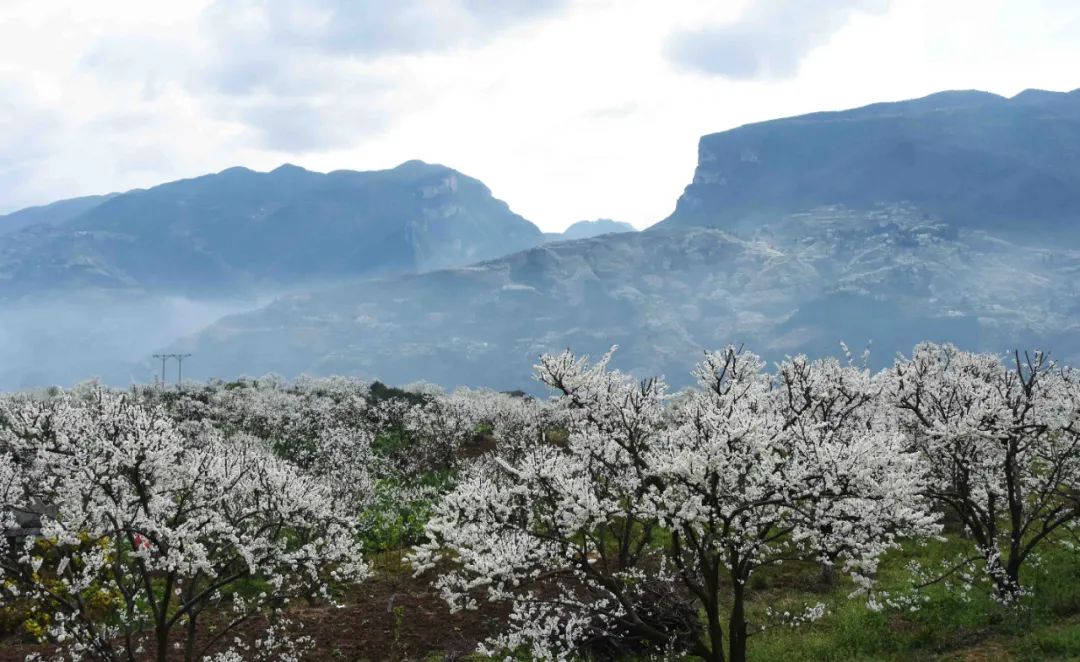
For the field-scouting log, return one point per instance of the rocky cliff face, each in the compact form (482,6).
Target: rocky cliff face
(970,159)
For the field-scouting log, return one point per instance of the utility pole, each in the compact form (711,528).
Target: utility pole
(180,370)
(163,357)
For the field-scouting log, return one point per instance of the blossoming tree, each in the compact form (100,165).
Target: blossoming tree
(1001,441)
(558,529)
(154,530)
(648,502)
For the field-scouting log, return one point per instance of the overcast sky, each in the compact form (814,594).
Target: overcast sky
(567,109)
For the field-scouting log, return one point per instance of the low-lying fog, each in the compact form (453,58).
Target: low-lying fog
(67,339)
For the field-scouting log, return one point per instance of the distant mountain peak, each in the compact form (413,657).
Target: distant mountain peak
(593,228)
(235,170)
(589,229)
(1037,96)
(287,168)
(959,97)
(416,165)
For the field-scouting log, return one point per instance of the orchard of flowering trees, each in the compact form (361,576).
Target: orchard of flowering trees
(615,518)
(168,521)
(640,532)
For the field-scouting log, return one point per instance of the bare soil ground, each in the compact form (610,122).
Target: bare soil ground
(393,616)
(396,618)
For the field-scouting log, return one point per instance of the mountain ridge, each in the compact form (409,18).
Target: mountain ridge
(52,213)
(238,230)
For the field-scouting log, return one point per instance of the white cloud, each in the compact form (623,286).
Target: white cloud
(303,74)
(769,41)
(367,27)
(27,138)
(570,112)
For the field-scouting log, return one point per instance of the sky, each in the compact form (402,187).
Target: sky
(566,109)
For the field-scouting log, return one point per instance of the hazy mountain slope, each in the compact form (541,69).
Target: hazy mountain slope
(885,225)
(486,324)
(240,230)
(50,214)
(973,159)
(802,284)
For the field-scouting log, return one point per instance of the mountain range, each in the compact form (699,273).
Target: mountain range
(883,279)
(240,231)
(953,217)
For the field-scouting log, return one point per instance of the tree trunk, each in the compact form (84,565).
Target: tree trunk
(711,595)
(1007,579)
(189,645)
(715,650)
(737,624)
(161,636)
(1012,574)
(828,577)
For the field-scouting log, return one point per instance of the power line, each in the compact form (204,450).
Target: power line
(179,367)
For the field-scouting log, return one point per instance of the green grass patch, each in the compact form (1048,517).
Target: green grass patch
(949,626)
